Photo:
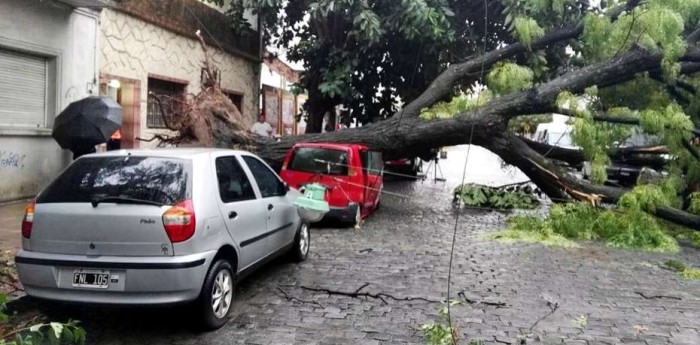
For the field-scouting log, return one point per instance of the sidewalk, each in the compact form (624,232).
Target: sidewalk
(11,225)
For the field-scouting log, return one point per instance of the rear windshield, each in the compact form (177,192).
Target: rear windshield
(154,179)
(319,160)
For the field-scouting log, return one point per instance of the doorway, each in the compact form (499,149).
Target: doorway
(127,92)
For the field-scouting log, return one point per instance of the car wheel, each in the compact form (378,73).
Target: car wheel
(215,300)
(302,243)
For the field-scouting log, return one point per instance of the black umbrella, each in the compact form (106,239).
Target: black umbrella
(87,122)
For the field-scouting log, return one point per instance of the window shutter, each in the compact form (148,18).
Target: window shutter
(22,90)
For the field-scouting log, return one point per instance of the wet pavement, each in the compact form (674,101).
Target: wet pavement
(586,295)
(10,224)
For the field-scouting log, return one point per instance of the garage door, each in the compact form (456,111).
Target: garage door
(22,89)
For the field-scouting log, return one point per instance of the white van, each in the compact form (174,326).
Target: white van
(555,134)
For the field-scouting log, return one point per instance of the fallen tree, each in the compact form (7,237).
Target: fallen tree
(413,130)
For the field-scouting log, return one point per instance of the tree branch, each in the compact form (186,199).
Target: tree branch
(292,298)
(576,156)
(444,82)
(543,173)
(381,296)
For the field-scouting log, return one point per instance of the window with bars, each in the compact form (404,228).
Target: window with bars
(174,93)
(236,98)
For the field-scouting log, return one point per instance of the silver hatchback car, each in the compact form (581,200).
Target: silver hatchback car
(158,227)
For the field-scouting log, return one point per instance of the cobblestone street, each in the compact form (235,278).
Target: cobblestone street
(586,295)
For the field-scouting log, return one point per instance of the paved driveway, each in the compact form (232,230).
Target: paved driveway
(403,250)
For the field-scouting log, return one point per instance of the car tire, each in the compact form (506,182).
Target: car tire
(219,278)
(302,244)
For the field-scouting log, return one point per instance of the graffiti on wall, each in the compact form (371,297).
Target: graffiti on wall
(11,160)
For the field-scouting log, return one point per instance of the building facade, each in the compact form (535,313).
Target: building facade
(281,106)
(47,60)
(54,52)
(150,47)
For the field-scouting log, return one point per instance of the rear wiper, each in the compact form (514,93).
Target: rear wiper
(97,200)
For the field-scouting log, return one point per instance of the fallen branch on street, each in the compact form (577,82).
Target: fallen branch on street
(292,298)
(553,308)
(380,296)
(657,296)
(475,302)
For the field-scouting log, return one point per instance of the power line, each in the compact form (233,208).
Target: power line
(464,174)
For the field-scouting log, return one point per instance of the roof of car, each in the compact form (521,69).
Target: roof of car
(165,152)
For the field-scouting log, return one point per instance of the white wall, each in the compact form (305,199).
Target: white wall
(29,157)
(271,78)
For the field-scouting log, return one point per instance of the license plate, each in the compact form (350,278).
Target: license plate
(623,173)
(91,279)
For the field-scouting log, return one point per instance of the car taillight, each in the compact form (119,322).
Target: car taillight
(179,221)
(284,166)
(28,220)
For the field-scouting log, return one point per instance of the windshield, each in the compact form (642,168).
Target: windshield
(158,180)
(320,160)
(559,139)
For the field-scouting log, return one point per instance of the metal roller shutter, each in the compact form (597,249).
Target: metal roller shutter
(22,89)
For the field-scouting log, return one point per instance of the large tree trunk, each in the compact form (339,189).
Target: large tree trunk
(486,126)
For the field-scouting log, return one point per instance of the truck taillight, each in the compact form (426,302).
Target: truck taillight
(28,220)
(352,171)
(179,221)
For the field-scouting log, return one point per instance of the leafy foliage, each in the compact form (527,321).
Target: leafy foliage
(441,333)
(520,196)
(627,227)
(531,229)
(393,49)
(684,271)
(508,77)
(527,30)
(53,332)
(458,104)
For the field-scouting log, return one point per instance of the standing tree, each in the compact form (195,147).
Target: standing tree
(606,66)
(371,55)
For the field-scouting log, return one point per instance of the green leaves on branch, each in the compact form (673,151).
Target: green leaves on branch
(368,26)
(421,18)
(527,30)
(515,197)
(459,104)
(656,25)
(53,333)
(671,118)
(627,227)
(507,77)
(441,333)
(684,271)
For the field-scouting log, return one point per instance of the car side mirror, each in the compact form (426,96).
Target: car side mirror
(286,188)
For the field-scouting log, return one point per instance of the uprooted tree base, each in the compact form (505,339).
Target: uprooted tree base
(204,119)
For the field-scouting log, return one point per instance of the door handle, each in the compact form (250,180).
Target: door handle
(270,207)
(232,215)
